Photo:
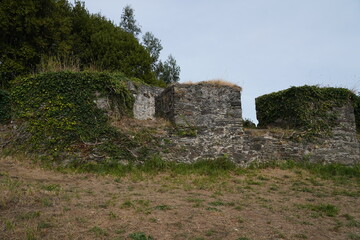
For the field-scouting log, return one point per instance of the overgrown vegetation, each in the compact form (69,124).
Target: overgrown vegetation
(58,114)
(306,108)
(5,109)
(42,35)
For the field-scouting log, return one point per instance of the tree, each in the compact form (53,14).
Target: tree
(128,22)
(169,71)
(30,29)
(153,46)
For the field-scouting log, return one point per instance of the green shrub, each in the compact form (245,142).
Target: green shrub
(5,109)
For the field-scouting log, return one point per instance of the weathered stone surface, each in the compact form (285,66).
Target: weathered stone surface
(209,124)
(208,121)
(144,105)
(200,105)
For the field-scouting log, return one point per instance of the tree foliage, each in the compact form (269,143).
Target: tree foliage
(4,106)
(34,30)
(153,46)
(128,22)
(169,71)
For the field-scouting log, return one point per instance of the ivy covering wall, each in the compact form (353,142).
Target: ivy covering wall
(305,108)
(57,111)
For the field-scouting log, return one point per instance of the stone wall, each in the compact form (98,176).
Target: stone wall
(201,105)
(207,121)
(144,105)
(208,124)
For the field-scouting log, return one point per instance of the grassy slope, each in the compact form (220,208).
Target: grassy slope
(269,203)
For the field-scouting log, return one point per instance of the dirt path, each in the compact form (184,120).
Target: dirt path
(262,204)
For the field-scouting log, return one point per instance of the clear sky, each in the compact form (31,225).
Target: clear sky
(261,45)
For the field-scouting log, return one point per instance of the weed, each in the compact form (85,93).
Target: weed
(210,232)
(51,187)
(252,182)
(212,209)
(30,234)
(352,222)
(240,220)
(47,202)
(300,236)
(98,231)
(120,231)
(197,201)
(217,203)
(353,236)
(81,220)
(162,207)
(42,225)
(327,209)
(153,220)
(347,193)
(28,215)
(9,225)
(127,204)
(112,215)
(274,187)
(140,236)
(239,208)
(262,178)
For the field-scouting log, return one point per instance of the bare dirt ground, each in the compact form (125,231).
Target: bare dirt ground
(259,204)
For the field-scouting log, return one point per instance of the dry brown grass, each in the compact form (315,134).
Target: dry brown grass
(217,82)
(259,204)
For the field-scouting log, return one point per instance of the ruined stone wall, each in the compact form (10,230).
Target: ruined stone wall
(208,124)
(144,105)
(207,121)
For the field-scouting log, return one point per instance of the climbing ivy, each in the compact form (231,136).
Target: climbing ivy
(4,106)
(58,110)
(305,108)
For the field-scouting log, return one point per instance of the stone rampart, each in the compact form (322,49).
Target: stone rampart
(207,120)
(208,124)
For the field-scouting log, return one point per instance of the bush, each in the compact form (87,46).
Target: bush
(5,109)
(248,123)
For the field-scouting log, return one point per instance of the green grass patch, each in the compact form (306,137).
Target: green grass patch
(327,209)
(98,231)
(140,236)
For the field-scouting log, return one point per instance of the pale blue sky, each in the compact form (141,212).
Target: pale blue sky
(261,45)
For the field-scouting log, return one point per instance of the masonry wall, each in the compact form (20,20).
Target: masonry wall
(207,119)
(208,124)
(144,105)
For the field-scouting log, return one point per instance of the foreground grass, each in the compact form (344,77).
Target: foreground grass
(215,167)
(161,200)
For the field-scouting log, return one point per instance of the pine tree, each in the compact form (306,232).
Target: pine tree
(128,22)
